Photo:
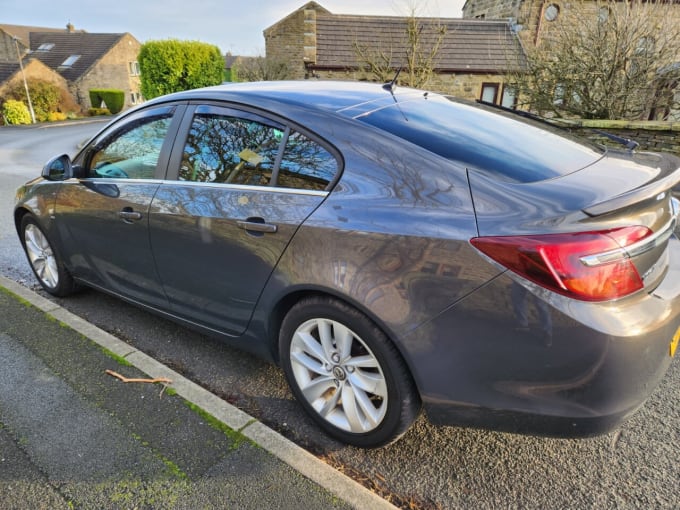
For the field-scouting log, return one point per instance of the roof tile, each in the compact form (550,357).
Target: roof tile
(467,45)
(90,47)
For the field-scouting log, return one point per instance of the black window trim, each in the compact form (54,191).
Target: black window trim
(248,112)
(115,129)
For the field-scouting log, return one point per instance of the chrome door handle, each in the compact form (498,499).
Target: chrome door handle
(128,215)
(253,225)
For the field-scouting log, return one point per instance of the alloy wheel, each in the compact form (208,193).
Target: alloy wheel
(41,256)
(339,375)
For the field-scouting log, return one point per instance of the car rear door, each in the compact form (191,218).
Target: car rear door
(103,215)
(239,186)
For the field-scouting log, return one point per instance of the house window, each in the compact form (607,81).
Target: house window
(69,61)
(603,14)
(45,47)
(551,12)
(135,98)
(559,94)
(509,97)
(490,92)
(134,68)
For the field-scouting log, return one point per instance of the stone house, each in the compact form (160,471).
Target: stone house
(84,60)
(20,33)
(470,60)
(535,19)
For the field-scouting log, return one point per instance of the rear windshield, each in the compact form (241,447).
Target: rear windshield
(498,143)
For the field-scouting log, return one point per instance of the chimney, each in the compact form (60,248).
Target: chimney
(70,28)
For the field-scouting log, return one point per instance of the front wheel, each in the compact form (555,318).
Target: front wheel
(346,373)
(44,261)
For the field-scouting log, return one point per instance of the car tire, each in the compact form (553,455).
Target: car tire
(346,373)
(45,262)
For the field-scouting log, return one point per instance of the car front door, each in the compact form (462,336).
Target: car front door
(103,215)
(244,184)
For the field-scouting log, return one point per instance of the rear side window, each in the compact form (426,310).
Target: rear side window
(306,164)
(230,150)
(501,144)
(233,147)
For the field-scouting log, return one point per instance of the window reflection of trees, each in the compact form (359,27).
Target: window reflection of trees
(228,149)
(143,143)
(306,164)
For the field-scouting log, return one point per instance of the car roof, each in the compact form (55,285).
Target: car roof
(332,96)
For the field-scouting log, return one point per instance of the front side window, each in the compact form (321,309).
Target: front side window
(231,150)
(133,151)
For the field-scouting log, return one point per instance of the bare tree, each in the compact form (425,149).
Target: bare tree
(414,50)
(606,59)
(261,69)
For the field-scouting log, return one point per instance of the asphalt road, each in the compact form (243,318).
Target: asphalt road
(638,466)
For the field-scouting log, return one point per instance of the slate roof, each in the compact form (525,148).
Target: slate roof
(468,45)
(90,47)
(7,70)
(230,60)
(22,31)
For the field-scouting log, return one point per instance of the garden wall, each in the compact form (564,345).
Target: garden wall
(651,135)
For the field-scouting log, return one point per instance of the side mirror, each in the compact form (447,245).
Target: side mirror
(58,169)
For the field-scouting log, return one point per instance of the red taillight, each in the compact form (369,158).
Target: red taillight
(591,266)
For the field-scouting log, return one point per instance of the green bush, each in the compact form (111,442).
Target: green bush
(45,97)
(173,65)
(16,112)
(96,98)
(114,99)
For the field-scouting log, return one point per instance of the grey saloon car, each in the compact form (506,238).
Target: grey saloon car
(392,249)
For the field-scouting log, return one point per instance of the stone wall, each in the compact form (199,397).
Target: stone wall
(463,85)
(8,49)
(491,9)
(651,135)
(293,40)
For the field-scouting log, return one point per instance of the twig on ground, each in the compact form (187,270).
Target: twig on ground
(163,380)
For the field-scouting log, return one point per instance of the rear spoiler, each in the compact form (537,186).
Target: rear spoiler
(656,189)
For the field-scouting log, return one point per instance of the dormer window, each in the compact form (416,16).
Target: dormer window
(45,47)
(69,61)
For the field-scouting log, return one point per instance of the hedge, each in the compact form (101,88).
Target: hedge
(114,99)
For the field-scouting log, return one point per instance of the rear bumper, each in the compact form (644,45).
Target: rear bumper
(508,359)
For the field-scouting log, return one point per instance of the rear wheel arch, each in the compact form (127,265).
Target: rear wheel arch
(383,378)
(285,303)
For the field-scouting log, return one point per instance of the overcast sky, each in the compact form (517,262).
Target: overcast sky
(232,25)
